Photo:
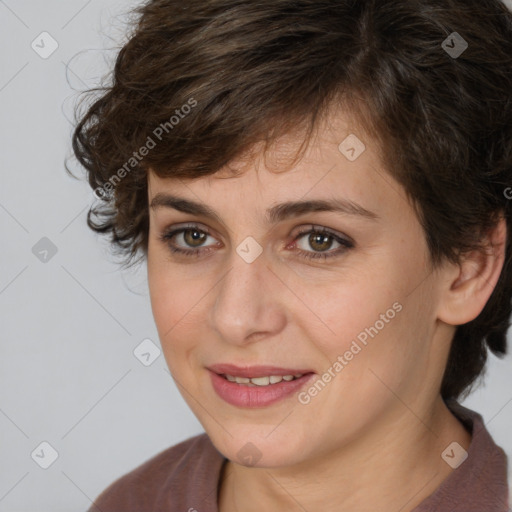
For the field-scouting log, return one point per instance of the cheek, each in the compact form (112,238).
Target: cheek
(360,331)
(172,304)
(177,292)
(167,295)
(371,326)
(382,357)
(339,309)
(177,302)
(169,311)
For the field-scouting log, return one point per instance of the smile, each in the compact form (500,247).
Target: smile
(257,392)
(262,381)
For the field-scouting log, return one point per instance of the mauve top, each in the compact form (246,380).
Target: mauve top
(185,478)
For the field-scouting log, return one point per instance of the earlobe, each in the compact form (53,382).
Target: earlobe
(469,284)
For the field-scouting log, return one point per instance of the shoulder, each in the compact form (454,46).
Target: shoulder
(166,479)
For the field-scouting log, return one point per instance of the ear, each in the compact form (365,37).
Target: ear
(469,284)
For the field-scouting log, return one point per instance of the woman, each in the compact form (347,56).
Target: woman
(319,190)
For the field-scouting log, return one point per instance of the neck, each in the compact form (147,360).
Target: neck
(379,471)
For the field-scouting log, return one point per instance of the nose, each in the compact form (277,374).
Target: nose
(249,304)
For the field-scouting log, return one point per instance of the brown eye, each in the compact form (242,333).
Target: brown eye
(321,240)
(194,237)
(188,240)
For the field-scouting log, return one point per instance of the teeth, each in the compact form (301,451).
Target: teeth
(262,381)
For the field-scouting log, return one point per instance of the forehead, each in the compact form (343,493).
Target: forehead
(341,162)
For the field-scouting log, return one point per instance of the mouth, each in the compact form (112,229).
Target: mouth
(231,372)
(257,386)
(268,380)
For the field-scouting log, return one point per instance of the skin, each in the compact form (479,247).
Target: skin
(372,438)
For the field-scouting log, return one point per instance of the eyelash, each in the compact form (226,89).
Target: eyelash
(166,237)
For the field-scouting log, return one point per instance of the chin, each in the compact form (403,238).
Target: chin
(251,448)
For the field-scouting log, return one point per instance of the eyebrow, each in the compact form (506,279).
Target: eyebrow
(274,214)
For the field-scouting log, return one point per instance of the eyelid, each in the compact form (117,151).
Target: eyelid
(323,230)
(346,243)
(174,228)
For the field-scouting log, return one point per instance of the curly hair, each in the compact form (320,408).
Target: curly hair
(199,83)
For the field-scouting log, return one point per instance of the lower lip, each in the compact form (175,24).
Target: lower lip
(241,395)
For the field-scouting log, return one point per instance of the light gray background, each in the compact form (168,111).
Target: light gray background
(69,326)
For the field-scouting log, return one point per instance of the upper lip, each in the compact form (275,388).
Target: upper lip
(255,371)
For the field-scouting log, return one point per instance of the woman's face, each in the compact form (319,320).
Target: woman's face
(257,292)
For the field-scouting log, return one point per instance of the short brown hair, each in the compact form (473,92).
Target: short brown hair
(251,71)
